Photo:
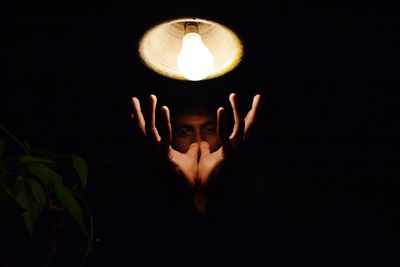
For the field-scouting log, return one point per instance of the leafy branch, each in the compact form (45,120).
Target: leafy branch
(36,180)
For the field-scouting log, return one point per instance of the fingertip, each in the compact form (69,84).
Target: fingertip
(204,148)
(136,104)
(220,113)
(165,112)
(165,109)
(153,97)
(204,144)
(256,99)
(194,146)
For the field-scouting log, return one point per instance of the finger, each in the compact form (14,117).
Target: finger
(193,150)
(251,115)
(166,130)
(227,145)
(238,128)
(151,125)
(204,149)
(138,116)
(254,106)
(221,127)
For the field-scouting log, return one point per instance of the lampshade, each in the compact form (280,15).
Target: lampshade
(161,45)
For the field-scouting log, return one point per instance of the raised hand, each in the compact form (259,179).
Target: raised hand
(210,163)
(185,164)
(199,165)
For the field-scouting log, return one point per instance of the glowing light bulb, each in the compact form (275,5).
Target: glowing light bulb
(195,61)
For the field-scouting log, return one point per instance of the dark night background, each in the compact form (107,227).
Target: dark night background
(324,161)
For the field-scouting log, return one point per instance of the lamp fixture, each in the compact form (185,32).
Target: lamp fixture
(190,49)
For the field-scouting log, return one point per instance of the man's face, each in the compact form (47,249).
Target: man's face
(195,126)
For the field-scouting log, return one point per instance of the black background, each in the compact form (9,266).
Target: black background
(326,134)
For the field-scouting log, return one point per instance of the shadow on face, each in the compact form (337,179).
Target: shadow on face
(194,125)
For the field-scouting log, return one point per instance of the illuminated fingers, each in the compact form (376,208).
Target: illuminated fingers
(227,145)
(138,116)
(221,127)
(250,117)
(238,128)
(193,151)
(151,128)
(166,130)
(204,149)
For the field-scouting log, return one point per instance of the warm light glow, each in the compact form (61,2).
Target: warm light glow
(161,45)
(195,61)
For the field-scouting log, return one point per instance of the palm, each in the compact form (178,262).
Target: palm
(209,163)
(190,165)
(185,163)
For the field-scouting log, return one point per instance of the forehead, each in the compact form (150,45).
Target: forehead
(195,117)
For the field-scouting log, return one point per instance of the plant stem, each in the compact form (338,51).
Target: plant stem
(91,230)
(15,139)
(57,227)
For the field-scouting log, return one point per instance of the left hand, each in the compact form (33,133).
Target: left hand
(210,163)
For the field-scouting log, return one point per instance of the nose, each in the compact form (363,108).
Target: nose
(197,136)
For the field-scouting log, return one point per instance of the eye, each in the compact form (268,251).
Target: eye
(210,129)
(183,131)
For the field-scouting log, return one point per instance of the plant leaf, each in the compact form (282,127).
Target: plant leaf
(70,203)
(38,193)
(44,173)
(30,159)
(25,198)
(81,168)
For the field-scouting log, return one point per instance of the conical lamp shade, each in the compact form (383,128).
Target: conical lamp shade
(161,45)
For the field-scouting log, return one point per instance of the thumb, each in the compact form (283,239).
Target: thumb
(193,150)
(204,149)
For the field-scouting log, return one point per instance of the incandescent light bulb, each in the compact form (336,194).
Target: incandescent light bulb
(195,61)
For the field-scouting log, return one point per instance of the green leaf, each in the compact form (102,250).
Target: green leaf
(30,159)
(70,203)
(38,193)
(30,198)
(2,146)
(44,173)
(81,168)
